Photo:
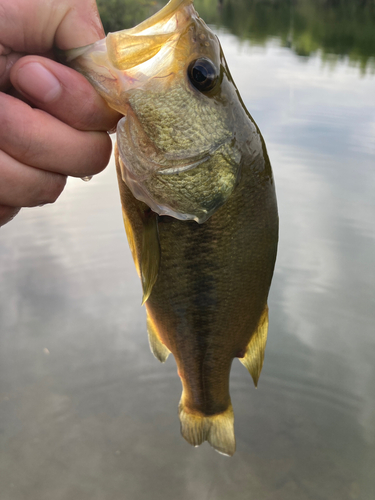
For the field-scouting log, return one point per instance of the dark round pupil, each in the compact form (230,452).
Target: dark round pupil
(202,74)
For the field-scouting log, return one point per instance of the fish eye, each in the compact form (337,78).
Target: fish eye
(202,74)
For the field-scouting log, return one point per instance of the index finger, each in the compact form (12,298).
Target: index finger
(63,93)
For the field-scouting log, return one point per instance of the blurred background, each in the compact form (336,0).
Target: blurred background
(87,413)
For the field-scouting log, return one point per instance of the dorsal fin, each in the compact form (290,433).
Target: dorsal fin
(254,355)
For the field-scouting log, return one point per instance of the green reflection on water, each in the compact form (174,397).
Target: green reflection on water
(122,14)
(335,28)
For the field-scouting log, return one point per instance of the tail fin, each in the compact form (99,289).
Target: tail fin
(217,429)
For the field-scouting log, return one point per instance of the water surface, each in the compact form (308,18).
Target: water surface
(86,412)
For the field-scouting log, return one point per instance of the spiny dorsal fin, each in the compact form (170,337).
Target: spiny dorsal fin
(158,349)
(254,356)
(150,253)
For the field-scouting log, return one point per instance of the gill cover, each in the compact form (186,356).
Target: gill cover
(177,139)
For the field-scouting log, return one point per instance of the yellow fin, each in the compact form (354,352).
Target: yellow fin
(254,356)
(150,254)
(158,349)
(131,241)
(217,429)
(141,226)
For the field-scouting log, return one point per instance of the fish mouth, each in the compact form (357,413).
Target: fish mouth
(129,48)
(125,60)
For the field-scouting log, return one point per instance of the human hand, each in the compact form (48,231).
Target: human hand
(52,122)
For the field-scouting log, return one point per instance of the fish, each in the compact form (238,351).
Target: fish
(198,202)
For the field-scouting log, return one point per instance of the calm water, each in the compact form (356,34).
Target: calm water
(86,412)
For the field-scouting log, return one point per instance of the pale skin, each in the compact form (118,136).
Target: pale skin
(52,122)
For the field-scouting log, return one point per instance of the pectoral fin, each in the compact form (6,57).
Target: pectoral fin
(141,225)
(148,264)
(131,240)
(254,355)
(158,349)
(150,254)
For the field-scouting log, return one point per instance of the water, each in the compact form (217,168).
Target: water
(86,412)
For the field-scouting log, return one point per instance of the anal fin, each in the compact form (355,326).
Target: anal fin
(158,349)
(254,355)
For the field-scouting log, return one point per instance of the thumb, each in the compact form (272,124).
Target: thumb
(36,26)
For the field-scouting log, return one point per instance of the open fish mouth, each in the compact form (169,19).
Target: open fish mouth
(134,46)
(124,60)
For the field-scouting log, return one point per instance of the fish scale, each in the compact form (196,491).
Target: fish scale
(199,128)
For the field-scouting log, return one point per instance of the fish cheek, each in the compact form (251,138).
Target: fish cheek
(183,164)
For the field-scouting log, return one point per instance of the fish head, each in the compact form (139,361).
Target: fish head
(179,139)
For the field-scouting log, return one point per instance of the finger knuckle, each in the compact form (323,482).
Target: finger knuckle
(102,152)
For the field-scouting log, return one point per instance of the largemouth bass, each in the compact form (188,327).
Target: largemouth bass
(198,202)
